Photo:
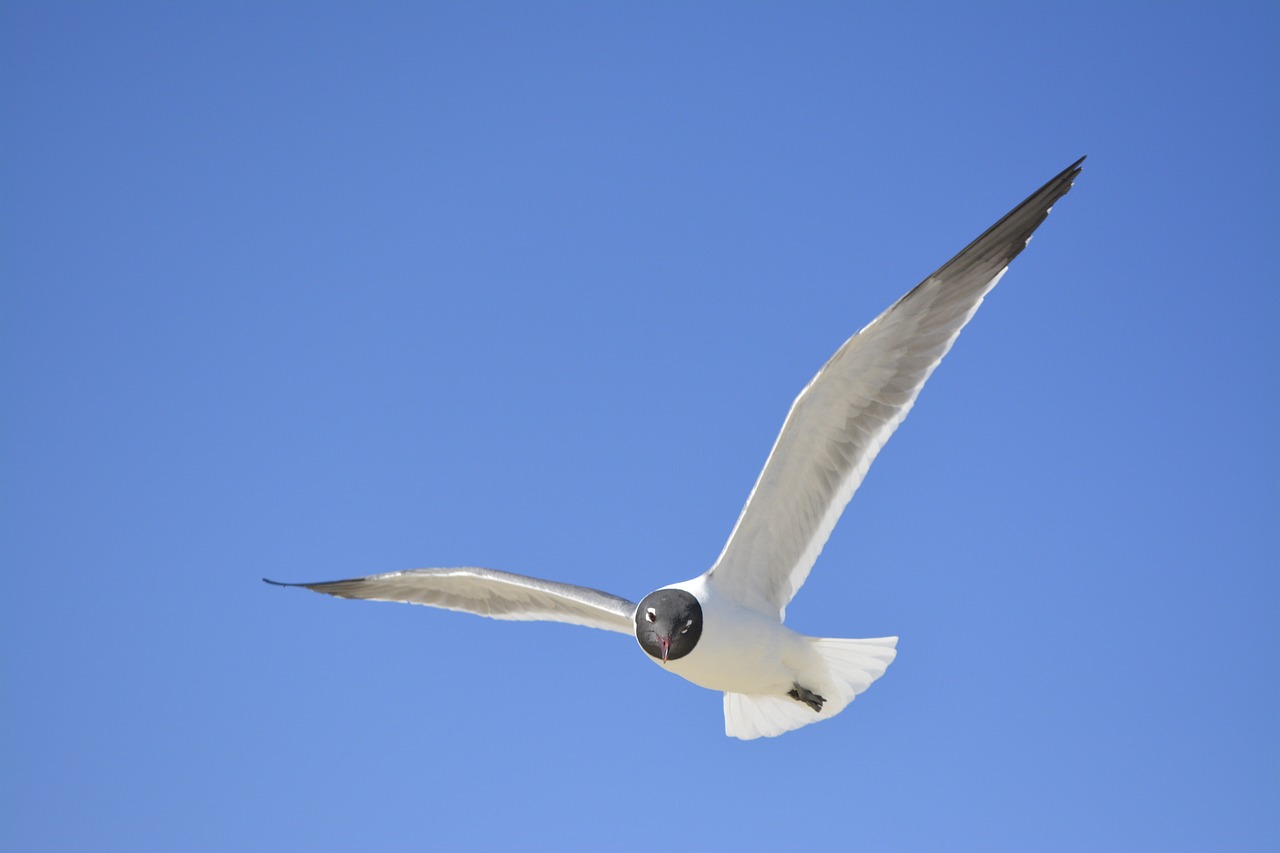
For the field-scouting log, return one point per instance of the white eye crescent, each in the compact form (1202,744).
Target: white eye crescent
(651,615)
(686,627)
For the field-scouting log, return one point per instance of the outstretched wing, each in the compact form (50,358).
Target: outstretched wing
(485,592)
(848,411)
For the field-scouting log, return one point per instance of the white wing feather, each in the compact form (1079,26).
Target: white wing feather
(848,411)
(486,592)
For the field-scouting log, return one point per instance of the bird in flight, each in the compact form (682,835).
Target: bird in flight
(724,629)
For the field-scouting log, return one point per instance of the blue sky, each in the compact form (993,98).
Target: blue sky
(318,290)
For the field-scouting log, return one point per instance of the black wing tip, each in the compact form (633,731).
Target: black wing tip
(1008,237)
(283,583)
(330,587)
(1061,182)
(1073,170)
(1033,210)
(1057,186)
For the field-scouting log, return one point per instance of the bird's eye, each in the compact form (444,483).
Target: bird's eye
(651,615)
(686,627)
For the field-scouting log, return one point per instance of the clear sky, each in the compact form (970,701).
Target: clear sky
(313,290)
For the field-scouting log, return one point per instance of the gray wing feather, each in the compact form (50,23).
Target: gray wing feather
(848,411)
(486,592)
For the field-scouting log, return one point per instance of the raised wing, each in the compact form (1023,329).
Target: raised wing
(848,411)
(485,592)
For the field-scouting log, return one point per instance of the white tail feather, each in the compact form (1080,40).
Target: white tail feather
(850,668)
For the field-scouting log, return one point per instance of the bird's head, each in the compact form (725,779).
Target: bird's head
(668,624)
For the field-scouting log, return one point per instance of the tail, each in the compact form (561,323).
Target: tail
(846,668)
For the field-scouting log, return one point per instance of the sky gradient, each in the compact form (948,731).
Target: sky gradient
(314,290)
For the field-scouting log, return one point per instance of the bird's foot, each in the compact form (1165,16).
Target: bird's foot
(808,697)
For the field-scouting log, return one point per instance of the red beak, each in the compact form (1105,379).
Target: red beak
(664,644)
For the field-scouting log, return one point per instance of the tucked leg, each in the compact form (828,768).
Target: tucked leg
(808,697)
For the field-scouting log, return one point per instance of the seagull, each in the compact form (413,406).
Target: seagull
(724,629)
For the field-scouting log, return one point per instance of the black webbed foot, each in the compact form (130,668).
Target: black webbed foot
(808,697)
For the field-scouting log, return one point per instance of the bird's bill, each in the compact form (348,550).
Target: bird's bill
(664,645)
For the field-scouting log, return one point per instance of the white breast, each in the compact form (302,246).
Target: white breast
(741,650)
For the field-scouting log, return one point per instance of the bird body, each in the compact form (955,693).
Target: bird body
(758,662)
(741,649)
(724,629)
